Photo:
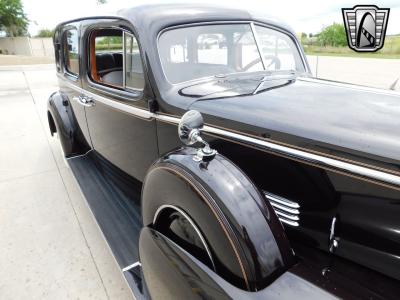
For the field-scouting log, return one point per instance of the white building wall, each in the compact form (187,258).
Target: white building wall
(27,46)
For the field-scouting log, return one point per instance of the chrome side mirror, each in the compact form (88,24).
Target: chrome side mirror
(189,131)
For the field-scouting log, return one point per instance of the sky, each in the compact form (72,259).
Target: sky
(309,16)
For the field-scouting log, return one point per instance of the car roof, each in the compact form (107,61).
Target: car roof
(165,15)
(155,17)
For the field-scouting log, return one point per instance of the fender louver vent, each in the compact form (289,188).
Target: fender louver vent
(286,210)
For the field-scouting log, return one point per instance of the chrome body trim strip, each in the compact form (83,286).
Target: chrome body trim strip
(132,266)
(284,208)
(291,223)
(281,200)
(323,161)
(136,111)
(308,157)
(133,110)
(350,86)
(283,215)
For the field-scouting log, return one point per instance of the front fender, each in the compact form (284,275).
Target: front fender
(252,225)
(62,120)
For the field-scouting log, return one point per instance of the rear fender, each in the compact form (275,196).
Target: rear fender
(62,121)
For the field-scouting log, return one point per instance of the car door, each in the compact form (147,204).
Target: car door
(69,72)
(122,129)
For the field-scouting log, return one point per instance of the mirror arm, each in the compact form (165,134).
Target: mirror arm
(189,131)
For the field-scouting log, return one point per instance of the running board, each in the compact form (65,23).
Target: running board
(114,199)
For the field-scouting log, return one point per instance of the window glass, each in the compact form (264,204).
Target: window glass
(72,51)
(248,57)
(211,49)
(200,51)
(134,78)
(115,59)
(278,49)
(107,44)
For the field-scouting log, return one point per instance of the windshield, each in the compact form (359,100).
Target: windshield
(207,50)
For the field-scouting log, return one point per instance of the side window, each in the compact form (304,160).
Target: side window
(57,50)
(134,78)
(115,59)
(71,51)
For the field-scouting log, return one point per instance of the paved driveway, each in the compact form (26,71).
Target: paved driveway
(373,72)
(50,245)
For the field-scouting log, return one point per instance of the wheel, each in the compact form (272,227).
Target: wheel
(216,214)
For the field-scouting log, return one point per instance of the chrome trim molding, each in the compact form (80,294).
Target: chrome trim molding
(350,86)
(203,241)
(133,110)
(136,111)
(316,159)
(322,161)
(287,211)
(283,201)
(258,45)
(132,266)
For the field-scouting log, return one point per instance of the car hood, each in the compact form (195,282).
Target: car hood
(341,119)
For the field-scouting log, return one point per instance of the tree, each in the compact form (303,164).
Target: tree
(303,38)
(12,18)
(333,35)
(101,1)
(45,33)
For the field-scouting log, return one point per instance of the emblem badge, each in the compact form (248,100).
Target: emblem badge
(365,27)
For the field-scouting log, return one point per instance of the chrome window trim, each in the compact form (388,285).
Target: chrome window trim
(67,73)
(126,33)
(123,60)
(258,45)
(103,87)
(308,157)
(288,33)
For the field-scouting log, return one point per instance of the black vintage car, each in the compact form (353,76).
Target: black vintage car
(217,167)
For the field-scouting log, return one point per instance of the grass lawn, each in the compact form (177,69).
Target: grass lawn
(390,50)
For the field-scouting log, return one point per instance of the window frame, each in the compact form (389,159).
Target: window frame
(124,34)
(123,91)
(68,73)
(249,22)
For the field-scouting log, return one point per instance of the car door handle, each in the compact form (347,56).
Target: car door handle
(84,100)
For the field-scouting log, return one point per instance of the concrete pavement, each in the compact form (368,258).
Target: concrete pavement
(373,72)
(50,244)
